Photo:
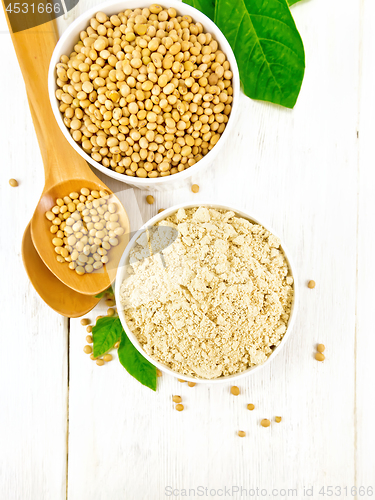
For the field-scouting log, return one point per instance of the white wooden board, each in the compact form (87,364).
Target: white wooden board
(364,332)
(306,173)
(33,371)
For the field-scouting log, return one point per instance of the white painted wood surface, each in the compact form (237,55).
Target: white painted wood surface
(306,173)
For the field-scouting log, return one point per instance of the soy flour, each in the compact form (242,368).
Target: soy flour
(216,300)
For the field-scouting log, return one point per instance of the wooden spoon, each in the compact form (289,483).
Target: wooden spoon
(55,294)
(65,170)
(58,296)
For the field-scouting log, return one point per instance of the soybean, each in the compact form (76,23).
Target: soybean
(138,87)
(85,227)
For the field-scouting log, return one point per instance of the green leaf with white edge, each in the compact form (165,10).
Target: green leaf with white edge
(208,6)
(268,48)
(105,334)
(101,294)
(135,364)
(205,6)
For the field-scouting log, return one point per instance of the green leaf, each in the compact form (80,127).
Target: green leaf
(205,6)
(136,364)
(292,2)
(105,334)
(267,46)
(101,294)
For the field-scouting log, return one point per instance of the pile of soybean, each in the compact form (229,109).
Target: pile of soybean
(146,92)
(85,226)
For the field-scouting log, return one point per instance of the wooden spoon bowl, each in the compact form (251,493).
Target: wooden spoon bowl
(53,291)
(92,283)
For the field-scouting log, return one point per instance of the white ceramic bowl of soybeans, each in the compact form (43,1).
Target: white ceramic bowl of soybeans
(166,101)
(125,271)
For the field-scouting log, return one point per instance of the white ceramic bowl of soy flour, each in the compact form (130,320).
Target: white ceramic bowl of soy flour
(76,133)
(217,298)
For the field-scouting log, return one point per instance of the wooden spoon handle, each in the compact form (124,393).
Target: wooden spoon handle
(34,48)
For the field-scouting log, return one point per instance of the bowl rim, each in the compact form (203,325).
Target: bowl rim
(208,26)
(124,261)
